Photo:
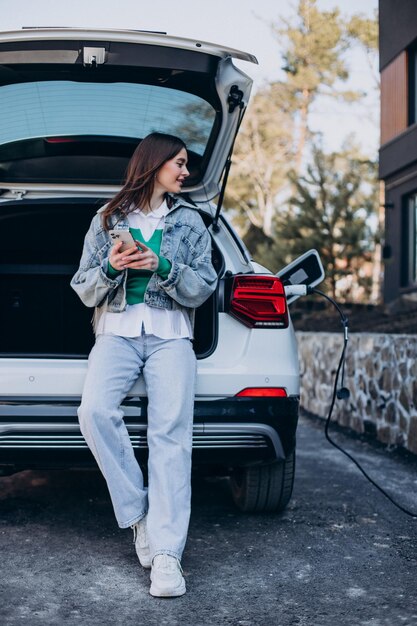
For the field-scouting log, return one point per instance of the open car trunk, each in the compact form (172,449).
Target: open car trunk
(40,314)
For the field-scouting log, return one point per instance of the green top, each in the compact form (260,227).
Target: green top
(137,280)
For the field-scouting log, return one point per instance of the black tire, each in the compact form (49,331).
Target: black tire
(263,488)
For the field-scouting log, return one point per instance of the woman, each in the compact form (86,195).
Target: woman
(144,300)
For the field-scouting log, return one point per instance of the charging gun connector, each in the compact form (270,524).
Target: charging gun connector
(296,290)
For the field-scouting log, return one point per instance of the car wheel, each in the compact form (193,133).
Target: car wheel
(263,488)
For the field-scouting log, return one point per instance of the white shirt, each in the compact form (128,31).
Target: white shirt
(162,323)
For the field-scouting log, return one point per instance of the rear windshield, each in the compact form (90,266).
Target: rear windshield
(36,116)
(56,108)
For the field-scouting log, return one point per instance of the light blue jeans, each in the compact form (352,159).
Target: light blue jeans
(169,369)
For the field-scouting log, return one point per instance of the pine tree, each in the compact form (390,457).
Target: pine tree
(314,61)
(275,128)
(330,212)
(270,153)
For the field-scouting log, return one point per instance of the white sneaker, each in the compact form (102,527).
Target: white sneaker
(140,539)
(166,577)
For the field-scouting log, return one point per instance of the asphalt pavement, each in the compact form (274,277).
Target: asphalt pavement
(341,554)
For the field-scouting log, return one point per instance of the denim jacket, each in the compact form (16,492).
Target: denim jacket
(186,243)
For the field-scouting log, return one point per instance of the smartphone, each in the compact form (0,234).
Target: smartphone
(122,235)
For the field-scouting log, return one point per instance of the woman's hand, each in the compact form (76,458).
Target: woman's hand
(135,258)
(117,258)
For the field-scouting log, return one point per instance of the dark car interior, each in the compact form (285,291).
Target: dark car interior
(75,160)
(40,314)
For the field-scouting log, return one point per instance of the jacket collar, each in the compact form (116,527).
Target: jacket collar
(173,202)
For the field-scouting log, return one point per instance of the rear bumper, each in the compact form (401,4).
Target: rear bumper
(228,432)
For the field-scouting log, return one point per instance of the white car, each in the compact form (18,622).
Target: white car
(74,105)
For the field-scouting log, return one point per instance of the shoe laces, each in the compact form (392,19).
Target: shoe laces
(168,563)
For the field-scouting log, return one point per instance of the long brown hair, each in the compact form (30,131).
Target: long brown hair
(151,154)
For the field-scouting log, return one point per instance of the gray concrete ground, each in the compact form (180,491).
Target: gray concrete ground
(340,554)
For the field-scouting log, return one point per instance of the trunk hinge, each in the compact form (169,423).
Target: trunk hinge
(94,56)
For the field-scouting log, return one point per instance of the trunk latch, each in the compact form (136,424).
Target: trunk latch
(94,56)
(235,98)
(18,193)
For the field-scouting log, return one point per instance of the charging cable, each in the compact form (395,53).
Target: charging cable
(341,393)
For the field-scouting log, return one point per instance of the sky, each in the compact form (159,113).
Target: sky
(241,24)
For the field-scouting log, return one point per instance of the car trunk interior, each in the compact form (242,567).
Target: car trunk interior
(40,314)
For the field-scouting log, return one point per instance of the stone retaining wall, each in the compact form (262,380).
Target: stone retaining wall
(381,374)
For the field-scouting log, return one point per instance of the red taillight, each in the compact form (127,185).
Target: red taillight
(259,301)
(60,139)
(262,392)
